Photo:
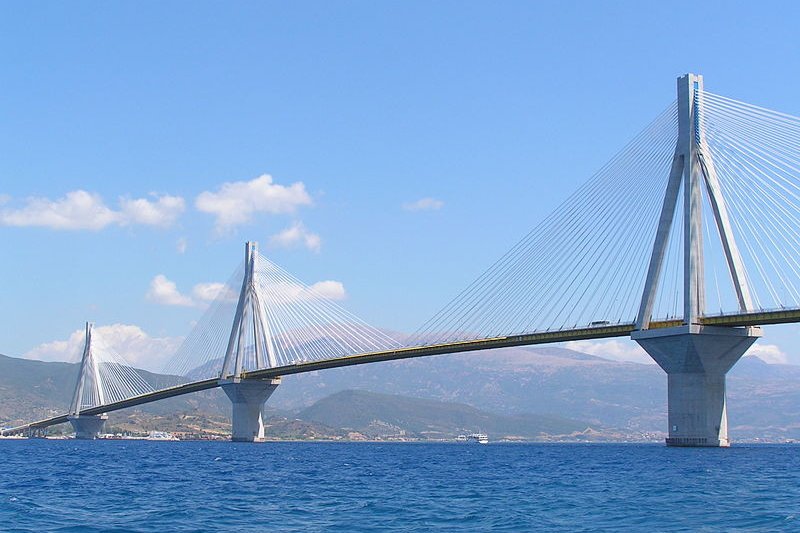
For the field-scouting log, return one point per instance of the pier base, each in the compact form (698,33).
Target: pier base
(248,398)
(35,433)
(696,359)
(87,427)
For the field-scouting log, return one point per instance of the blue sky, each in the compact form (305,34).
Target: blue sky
(493,111)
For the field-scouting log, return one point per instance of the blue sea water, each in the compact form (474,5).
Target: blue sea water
(219,486)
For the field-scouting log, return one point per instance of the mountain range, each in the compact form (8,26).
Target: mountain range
(763,399)
(514,392)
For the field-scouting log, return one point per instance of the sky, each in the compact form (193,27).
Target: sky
(390,151)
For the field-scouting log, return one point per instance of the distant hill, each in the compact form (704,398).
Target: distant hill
(381,415)
(763,399)
(546,381)
(520,390)
(33,390)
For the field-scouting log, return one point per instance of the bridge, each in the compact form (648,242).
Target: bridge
(699,211)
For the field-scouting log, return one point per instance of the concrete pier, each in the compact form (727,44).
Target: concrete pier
(696,359)
(248,398)
(35,433)
(87,427)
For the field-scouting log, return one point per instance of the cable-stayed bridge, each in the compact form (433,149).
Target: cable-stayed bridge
(685,241)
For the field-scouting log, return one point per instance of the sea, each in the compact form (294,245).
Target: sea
(68,485)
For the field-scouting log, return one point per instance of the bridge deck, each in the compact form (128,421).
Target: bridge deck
(546,337)
(757,318)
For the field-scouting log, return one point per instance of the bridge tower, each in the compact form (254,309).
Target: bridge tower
(696,358)
(250,338)
(88,390)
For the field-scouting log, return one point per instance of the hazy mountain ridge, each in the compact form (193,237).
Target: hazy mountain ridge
(763,399)
(34,390)
(548,381)
(378,415)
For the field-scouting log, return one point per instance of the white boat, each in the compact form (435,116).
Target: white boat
(161,435)
(480,438)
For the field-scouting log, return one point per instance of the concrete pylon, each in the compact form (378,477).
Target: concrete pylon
(696,360)
(87,427)
(248,396)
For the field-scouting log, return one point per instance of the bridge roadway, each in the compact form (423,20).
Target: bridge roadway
(761,318)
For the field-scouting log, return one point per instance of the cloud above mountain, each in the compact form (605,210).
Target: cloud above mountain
(297,235)
(164,291)
(236,203)
(614,349)
(424,204)
(132,343)
(82,210)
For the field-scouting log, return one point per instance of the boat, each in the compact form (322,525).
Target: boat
(161,435)
(480,438)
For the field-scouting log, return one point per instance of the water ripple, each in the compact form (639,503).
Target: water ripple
(67,486)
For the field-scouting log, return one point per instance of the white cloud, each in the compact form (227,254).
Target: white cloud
(161,212)
(82,210)
(235,203)
(165,292)
(297,234)
(76,210)
(620,350)
(424,204)
(135,346)
(208,292)
(4,199)
(769,353)
(332,290)
(294,292)
(182,245)
(615,349)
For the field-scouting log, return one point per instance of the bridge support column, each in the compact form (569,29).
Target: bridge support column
(248,398)
(36,433)
(87,427)
(696,360)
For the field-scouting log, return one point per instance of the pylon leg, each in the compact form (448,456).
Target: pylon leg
(248,398)
(696,360)
(87,427)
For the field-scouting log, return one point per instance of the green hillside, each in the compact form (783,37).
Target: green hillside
(380,415)
(33,390)
(439,397)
